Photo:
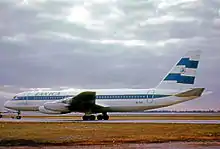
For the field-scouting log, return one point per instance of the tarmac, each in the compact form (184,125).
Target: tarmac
(55,120)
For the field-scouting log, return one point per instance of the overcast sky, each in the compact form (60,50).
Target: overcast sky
(107,44)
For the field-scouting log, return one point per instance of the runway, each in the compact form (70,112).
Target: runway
(43,120)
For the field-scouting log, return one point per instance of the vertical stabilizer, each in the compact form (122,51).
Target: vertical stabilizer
(182,75)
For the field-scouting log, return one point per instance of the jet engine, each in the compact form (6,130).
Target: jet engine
(57,106)
(45,111)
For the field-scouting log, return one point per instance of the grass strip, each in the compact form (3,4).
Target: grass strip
(24,133)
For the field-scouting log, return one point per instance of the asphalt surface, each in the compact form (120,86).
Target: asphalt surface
(111,121)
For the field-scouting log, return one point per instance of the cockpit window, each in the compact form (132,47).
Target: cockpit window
(15,97)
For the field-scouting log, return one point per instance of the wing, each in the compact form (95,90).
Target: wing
(83,102)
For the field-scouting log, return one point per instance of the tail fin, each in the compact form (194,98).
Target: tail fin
(182,75)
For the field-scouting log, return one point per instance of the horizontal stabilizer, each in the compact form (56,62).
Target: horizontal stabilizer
(197,92)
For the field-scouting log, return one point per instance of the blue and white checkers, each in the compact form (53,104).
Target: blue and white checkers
(182,75)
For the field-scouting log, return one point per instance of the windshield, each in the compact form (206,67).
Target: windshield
(14,98)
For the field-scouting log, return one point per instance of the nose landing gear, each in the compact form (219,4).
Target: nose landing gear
(18,116)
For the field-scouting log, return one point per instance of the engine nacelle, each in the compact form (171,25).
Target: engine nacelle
(45,111)
(57,106)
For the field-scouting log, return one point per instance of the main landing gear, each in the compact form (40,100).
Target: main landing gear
(102,116)
(88,117)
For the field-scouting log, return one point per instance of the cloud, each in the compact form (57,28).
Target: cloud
(165,4)
(166,19)
(18,38)
(106,43)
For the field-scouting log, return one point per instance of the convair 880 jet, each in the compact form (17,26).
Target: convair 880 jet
(176,87)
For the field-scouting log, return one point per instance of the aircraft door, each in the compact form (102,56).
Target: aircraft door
(150,96)
(26,98)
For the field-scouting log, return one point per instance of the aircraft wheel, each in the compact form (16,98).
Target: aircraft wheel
(85,118)
(88,117)
(99,117)
(105,117)
(92,117)
(18,117)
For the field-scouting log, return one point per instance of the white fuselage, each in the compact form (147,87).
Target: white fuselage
(115,100)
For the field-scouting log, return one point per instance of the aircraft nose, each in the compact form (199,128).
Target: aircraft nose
(8,105)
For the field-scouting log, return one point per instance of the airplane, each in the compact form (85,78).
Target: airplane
(176,87)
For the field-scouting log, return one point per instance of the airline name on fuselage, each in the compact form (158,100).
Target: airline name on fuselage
(47,94)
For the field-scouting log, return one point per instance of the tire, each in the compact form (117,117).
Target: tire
(85,118)
(99,117)
(105,117)
(92,117)
(18,117)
